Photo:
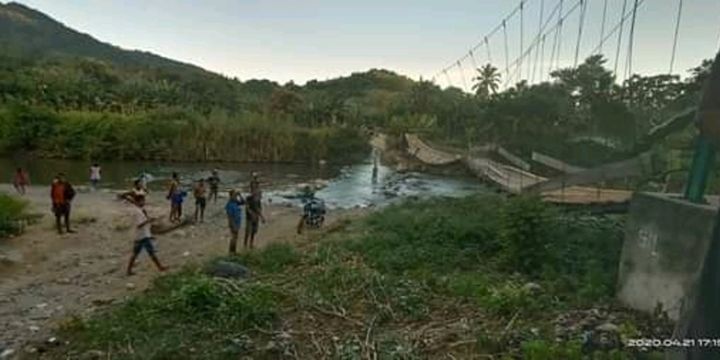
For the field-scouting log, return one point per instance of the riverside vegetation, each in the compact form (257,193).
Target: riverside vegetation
(511,278)
(66,94)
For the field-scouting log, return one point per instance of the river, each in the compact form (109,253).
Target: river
(340,186)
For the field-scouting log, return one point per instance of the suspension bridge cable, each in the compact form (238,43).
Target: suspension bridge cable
(462,75)
(542,58)
(537,53)
(487,47)
(522,35)
(631,41)
(535,42)
(619,42)
(602,26)
(507,57)
(559,34)
(583,8)
(612,31)
(675,39)
(447,77)
(474,62)
(486,38)
(556,40)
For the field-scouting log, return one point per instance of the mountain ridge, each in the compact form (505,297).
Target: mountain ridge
(25,31)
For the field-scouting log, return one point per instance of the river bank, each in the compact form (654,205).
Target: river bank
(45,277)
(479,277)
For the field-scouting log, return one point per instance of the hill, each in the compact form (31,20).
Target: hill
(26,32)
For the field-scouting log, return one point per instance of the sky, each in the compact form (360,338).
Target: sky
(293,40)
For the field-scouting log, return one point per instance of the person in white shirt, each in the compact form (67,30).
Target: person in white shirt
(143,234)
(95,175)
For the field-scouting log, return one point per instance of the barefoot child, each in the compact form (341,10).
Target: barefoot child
(21,181)
(143,233)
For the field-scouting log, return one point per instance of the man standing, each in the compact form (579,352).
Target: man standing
(143,234)
(61,194)
(253,210)
(233,208)
(200,194)
(214,181)
(95,175)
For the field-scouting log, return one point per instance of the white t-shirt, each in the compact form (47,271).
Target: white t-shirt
(94,173)
(141,217)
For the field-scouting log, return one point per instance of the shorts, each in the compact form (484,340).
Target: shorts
(234,228)
(61,209)
(201,202)
(252,227)
(144,243)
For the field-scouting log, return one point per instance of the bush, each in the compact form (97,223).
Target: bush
(11,210)
(525,232)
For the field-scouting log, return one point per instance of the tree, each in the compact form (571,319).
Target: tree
(487,81)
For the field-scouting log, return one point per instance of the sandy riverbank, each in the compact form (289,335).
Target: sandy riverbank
(46,277)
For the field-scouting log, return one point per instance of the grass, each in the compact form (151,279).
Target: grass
(11,211)
(424,279)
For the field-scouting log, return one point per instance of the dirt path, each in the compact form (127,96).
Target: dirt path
(45,277)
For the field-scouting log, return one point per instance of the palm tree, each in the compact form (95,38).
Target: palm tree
(487,81)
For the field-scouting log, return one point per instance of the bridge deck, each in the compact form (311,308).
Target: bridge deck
(514,180)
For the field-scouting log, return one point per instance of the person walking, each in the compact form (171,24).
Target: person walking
(20,181)
(143,238)
(253,210)
(62,194)
(95,175)
(233,209)
(200,194)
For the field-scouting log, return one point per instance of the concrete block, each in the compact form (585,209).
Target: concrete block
(666,242)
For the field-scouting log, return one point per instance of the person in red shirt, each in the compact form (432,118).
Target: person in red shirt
(61,194)
(20,181)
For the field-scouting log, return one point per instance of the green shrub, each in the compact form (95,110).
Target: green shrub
(11,210)
(526,231)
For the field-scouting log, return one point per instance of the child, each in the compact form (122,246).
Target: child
(143,234)
(20,181)
(233,209)
(176,200)
(95,175)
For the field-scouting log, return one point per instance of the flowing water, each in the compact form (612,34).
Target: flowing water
(358,185)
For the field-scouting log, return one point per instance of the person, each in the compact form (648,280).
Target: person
(143,234)
(200,194)
(253,211)
(176,205)
(21,181)
(143,179)
(233,209)
(313,211)
(214,181)
(61,194)
(172,195)
(95,175)
(254,183)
